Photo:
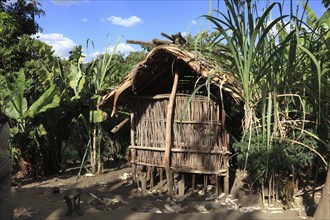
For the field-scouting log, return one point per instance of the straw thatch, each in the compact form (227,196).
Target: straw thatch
(156,70)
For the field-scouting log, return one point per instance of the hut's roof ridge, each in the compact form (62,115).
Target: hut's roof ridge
(195,60)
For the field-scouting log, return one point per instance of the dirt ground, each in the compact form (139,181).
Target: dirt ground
(113,195)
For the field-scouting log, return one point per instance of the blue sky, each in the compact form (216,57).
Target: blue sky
(68,23)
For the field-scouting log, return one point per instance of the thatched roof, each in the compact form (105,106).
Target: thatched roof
(154,75)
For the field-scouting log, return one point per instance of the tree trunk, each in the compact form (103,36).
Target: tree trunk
(323,209)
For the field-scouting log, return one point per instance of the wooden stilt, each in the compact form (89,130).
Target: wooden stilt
(144,183)
(148,173)
(175,184)
(226,179)
(137,178)
(151,178)
(217,185)
(226,184)
(193,180)
(161,178)
(205,184)
(168,138)
(181,185)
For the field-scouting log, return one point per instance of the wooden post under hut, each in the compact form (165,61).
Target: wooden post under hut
(168,139)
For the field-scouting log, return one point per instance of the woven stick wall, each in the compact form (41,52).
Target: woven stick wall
(197,138)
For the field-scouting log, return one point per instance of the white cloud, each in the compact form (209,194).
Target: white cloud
(122,48)
(92,56)
(68,2)
(84,20)
(61,45)
(126,22)
(193,22)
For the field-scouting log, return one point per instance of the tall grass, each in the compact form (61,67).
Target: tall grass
(284,79)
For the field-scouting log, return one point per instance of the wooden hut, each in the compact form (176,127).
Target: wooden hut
(172,131)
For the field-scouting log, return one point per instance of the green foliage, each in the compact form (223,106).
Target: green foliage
(24,13)
(284,79)
(279,158)
(17,23)
(8,28)
(50,99)
(90,82)
(45,96)
(76,78)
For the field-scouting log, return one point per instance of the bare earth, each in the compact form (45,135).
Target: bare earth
(112,195)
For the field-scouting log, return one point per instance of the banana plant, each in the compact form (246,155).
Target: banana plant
(102,73)
(18,108)
(27,130)
(76,77)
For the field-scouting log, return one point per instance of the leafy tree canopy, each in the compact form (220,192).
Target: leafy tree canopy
(24,13)
(17,18)
(18,51)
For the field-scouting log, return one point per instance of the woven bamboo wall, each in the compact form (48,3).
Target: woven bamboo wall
(197,138)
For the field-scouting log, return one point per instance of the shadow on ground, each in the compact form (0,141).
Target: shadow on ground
(110,196)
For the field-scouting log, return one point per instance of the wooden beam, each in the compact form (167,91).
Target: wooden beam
(221,172)
(120,125)
(147,164)
(179,150)
(140,42)
(167,36)
(159,96)
(168,137)
(159,42)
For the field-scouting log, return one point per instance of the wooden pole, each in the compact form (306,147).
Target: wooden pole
(148,43)
(217,185)
(151,178)
(193,180)
(94,150)
(205,184)
(133,151)
(161,178)
(168,137)
(226,177)
(119,126)
(181,185)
